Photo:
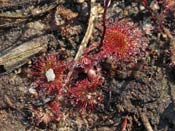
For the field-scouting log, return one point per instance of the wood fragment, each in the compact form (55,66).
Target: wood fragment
(35,12)
(9,102)
(16,5)
(4,1)
(11,59)
(21,17)
(66,13)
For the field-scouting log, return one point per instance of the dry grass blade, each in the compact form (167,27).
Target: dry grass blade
(146,122)
(83,45)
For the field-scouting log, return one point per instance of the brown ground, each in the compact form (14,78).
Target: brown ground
(149,90)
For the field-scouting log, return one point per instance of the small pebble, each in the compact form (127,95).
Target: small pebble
(148,28)
(32,91)
(29,62)
(18,71)
(125,12)
(154,6)
(141,7)
(50,75)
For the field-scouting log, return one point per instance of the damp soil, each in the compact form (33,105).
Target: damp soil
(149,89)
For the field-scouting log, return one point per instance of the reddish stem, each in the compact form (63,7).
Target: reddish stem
(124,124)
(106,3)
